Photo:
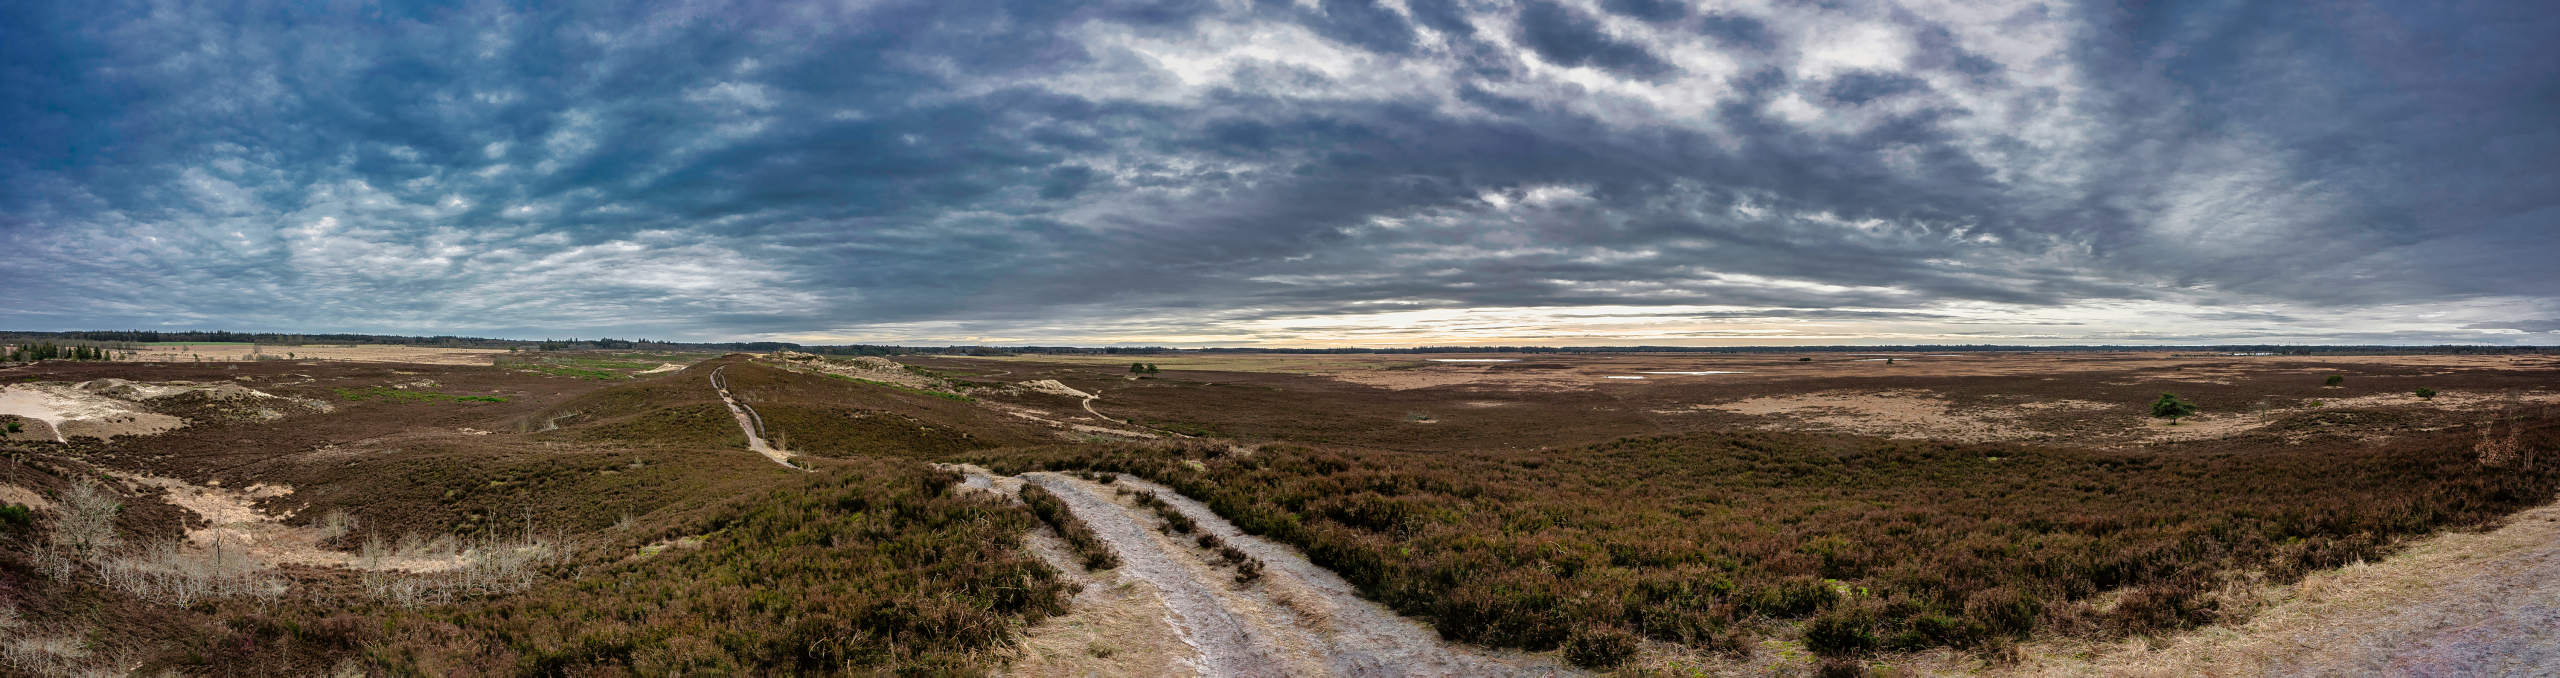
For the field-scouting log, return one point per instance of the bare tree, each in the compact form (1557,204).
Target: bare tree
(88,520)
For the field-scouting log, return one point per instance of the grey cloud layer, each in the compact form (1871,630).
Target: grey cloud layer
(711,169)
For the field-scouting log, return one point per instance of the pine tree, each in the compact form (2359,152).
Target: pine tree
(2171,408)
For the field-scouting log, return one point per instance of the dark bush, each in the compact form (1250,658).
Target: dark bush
(1600,647)
(2334,379)
(16,517)
(1843,629)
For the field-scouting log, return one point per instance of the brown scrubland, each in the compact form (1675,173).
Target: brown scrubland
(1640,513)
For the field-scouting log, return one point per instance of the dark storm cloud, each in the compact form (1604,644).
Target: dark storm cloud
(729,169)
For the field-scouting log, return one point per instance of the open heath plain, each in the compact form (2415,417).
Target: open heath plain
(395,511)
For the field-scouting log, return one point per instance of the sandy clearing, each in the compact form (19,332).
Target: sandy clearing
(232,518)
(2457,604)
(12,494)
(661,368)
(1894,414)
(1458,374)
(2457,401)
(65,411)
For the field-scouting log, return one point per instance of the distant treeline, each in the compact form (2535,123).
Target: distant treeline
(52,351)
(134,339)
(131,339)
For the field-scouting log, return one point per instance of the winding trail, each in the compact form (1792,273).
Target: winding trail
(1297,620)
(748,421)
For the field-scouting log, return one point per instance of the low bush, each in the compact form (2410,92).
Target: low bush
(1600,647)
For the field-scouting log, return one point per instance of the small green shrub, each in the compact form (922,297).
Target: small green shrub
(2171,408)
(2334,379)
(1804,360)
(16,516)
(2425,393)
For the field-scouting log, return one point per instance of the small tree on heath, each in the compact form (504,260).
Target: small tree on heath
(2425,393)
(2171,408)
(2334,379)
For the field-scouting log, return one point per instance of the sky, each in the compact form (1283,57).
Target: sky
(1277,173)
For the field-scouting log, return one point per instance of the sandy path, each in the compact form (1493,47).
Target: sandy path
(748,421)
(2458,604)
(1228,641)
(1299,619)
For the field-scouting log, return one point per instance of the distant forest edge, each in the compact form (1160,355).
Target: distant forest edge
(129,339)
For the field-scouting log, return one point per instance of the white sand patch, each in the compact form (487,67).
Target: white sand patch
(232,518)
(1473,360)
(1618,377)
(661,368)
(1699,373)
(67,411)
(1053,387)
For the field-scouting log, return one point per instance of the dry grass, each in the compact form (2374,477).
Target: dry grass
(1117,627)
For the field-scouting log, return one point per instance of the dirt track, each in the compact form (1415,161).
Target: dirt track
(748,422)
(2459,604)
(1298,619)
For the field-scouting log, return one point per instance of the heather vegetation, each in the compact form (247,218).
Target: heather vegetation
(1871,544)
(864,566)
(1089,548)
